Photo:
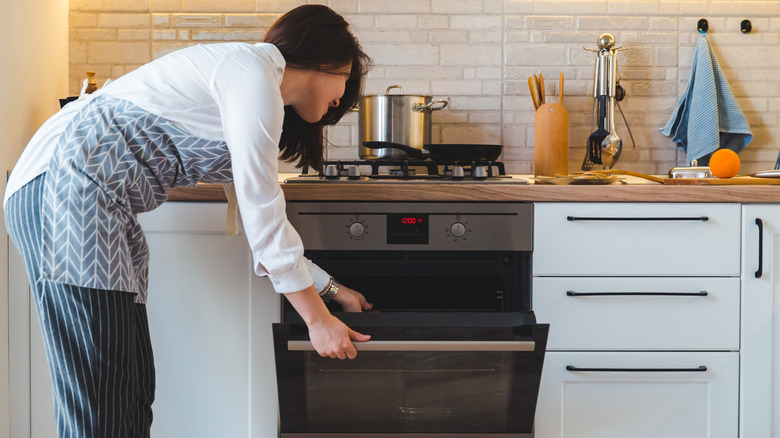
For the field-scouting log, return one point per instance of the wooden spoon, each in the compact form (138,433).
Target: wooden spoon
(532,85)
(560,90)
(627,172)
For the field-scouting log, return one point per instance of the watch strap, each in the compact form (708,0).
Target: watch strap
(330,291)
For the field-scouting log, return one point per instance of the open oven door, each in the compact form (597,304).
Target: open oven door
(422,374)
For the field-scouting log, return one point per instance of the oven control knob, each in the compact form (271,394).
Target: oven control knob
(480,172)
(457,172)
(357,229)
(458,229)
(353,172)
(331,171)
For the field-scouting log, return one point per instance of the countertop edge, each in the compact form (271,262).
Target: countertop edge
(501,193)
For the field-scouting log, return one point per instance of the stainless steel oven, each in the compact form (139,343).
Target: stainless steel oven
(455,349)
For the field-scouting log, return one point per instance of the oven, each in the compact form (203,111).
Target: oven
(455,348)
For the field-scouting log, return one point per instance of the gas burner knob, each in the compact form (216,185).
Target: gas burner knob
(480,172)
(457,172)
(458,229)
(353,172)
(331,171)
(357,229)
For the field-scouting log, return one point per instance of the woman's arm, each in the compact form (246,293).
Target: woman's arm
(329,336)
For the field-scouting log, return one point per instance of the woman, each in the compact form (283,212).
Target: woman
(216,113)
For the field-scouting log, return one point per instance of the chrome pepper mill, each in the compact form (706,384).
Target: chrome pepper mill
(604,145)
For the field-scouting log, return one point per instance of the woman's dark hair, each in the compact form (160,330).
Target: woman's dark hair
(316,37)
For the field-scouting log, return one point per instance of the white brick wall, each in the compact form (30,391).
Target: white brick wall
(478,54)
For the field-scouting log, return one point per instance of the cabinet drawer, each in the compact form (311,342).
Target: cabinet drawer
(186,217)
(632,314)
(596,239)
(667,395)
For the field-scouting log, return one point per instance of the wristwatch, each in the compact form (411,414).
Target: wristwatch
(330,291)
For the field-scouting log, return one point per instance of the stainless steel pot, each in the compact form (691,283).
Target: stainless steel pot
(397,118)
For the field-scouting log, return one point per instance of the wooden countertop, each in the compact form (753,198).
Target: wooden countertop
(635,190)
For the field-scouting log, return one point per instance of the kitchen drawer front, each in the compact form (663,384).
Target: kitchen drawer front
(622,319)
(619,404)
(186,217)
(596,239)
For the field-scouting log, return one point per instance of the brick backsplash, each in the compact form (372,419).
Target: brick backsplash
(478,54)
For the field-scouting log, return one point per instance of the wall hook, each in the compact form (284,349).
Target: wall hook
(702,26)
(746,26)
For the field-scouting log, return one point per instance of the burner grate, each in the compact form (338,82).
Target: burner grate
(410,169)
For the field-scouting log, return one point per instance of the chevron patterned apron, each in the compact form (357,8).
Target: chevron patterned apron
(113,161)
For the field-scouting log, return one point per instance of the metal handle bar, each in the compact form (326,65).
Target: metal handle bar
(586,218)
(427,346)
(672,294)
(760,270)
(698,369)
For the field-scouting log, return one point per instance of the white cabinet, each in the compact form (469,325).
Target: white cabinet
(210,320)
(643,305)
(648,239)
(639,313)
(760,350)
(638,394)
(32,408)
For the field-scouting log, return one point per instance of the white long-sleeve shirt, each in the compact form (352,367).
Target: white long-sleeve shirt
(226,92)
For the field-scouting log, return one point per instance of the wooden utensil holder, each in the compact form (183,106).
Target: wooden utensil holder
(551,140)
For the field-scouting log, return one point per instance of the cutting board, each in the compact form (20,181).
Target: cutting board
(737,180)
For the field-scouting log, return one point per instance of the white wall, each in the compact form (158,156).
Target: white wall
(33,75)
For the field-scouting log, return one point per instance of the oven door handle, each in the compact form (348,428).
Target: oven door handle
(427,346)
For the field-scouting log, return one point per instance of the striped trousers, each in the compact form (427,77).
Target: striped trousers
(97,341)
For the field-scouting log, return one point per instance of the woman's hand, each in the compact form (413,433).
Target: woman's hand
(332,338)
(351,300)
(329,336)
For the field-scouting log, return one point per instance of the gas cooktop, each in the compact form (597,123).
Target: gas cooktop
(408,172)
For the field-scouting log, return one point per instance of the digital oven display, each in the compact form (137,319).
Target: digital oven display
(407,229)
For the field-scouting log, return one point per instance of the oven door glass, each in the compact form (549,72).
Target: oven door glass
(458,374)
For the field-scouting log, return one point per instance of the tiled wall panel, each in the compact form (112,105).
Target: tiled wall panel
(478,55)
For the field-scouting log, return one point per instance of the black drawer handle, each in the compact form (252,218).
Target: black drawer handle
(703,293)
(760,271)
(586,218)
(699,369)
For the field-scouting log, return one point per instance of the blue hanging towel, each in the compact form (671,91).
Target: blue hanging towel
(707,117)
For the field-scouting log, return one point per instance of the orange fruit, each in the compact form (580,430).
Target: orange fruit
(724,163)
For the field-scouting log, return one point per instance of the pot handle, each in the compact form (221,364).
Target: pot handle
(430,106)
(394,86)
(416,153)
